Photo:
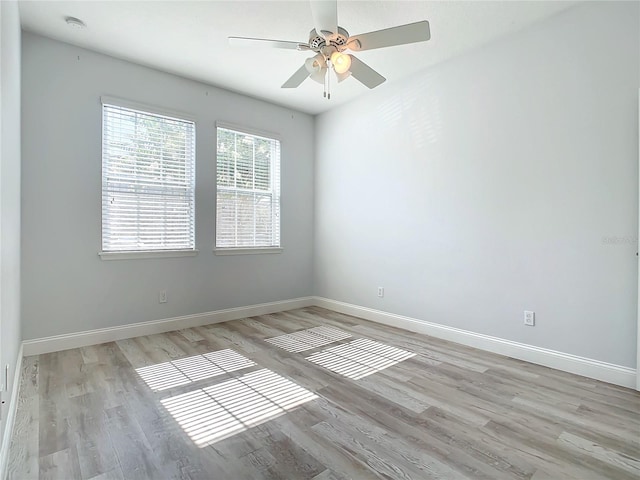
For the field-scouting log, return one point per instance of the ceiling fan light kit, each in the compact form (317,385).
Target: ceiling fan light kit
(316,66)
(330,45)
(341,62)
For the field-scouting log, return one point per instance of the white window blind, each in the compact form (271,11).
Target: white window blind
(248,190)
(148,181)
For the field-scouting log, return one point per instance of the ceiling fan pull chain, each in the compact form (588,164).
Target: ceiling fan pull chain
(325,86)
(329,83)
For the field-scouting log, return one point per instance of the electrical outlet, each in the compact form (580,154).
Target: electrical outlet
(529,318)
(381,292)
(162,296)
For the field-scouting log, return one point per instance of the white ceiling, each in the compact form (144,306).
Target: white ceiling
(190,38)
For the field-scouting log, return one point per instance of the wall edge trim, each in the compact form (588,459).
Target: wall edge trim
(58,343)
(587,367)
(11,415)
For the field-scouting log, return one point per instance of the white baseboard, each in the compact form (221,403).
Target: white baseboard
(587,367)
(606,372)
(94,337)
(11,415)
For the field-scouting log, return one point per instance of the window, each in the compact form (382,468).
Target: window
(248,191)
(148,181)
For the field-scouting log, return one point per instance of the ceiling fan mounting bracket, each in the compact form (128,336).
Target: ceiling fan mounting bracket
(338,41)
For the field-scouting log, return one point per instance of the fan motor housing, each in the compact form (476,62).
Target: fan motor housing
(318,42)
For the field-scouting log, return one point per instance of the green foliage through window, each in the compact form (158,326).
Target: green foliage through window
(248,186)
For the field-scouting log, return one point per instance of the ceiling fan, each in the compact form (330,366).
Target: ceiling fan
(330,42)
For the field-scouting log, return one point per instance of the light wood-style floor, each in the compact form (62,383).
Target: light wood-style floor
(313,394)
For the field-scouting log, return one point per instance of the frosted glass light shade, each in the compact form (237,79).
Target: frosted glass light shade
(316,66)
(341,62)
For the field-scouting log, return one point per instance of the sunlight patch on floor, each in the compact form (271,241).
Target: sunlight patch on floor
(214,413)
(308,339)
(183,371)
(359,358)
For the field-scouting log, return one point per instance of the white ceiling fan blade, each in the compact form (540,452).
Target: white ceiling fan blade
(261,42)
(325,17)
(297,78)
(365,74)
(401,35)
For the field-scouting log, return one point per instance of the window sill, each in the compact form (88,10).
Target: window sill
(247,251)
(132,255)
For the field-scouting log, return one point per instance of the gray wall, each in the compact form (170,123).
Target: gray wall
(66,287)
(502,180)
(9,193)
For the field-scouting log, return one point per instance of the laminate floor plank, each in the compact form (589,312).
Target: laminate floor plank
(261,327)
(565,415)
(289,459)
(296,320)
(475,456)
(339,398)
(190,347)
(103,375)
(53,406)
(565,391)
(398,449)
(113,474)
(96,454)
(190,335)
(444,447)
(158,349)
(211,340)
(60,464)
(341,460)
(134,353)
(329,475)
(280,324)
(88,355)
(133,453)
(164,344)
(564,459)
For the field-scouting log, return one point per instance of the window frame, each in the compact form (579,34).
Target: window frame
(150,110)
(248,250)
